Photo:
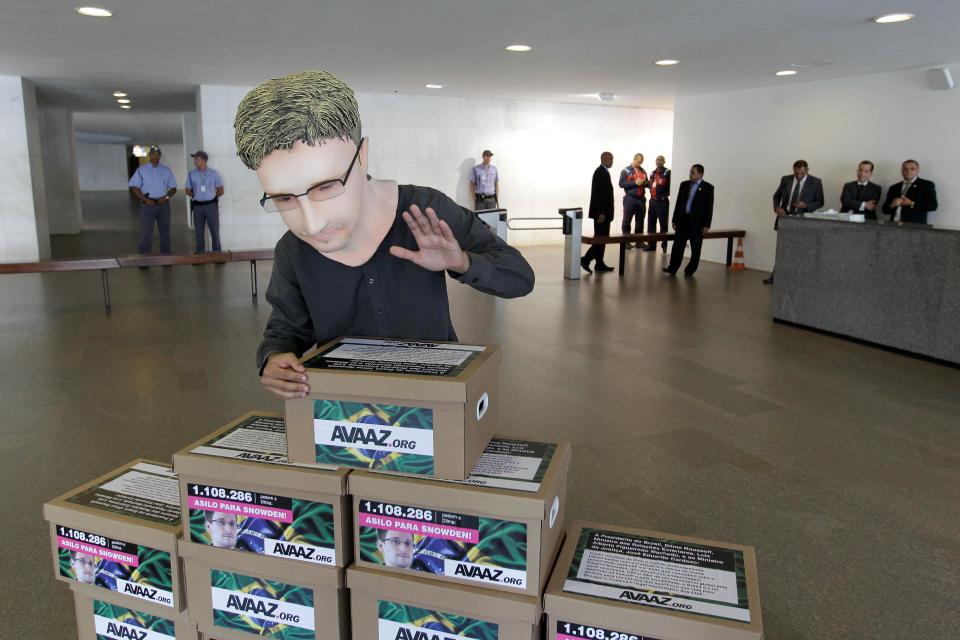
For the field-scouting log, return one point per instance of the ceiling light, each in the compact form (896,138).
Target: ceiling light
(124,106)
(433,86)
(119,94)
(890,18)
(666,63)
(604,97)
(519,47)
(787,72)
(94,12)
(123,100)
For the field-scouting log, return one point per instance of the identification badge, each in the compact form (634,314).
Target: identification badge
(203,188)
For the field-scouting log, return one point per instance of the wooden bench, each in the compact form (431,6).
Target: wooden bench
(624,239)
(103,264)
(81,264)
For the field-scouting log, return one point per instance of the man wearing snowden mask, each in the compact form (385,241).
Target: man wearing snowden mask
(362,256)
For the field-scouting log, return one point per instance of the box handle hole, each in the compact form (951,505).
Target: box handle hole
(482,405)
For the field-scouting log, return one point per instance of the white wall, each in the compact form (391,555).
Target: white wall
(102,166)
(60,171)
(746,140)
(545,152)
(19,206)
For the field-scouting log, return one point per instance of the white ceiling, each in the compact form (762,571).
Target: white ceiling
(160,50)
(134,127)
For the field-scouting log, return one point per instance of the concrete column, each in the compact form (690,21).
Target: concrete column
(24,234)
(62,187)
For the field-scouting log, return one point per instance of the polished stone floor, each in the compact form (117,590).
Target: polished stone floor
(688,410)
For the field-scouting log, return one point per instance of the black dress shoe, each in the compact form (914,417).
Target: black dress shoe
(585,264)
(769,280)
(603,267)
(668,271)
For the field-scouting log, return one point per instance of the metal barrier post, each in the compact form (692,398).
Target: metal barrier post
(496,219)
(572,237)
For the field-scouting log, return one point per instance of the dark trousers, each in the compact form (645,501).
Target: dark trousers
(206,215)
(596,251)
(633,209)
(484,202)
(658,213)
(148,215)
(686,231)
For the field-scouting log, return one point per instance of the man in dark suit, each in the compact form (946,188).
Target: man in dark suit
(798,193)
(601,211)
(692,217)
(861,195)
(912,199)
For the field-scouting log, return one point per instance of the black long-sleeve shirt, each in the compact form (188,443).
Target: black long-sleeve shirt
(316,299)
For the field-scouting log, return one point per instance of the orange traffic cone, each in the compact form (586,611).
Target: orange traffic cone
(738,264)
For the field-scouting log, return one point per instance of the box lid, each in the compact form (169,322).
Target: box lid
(253,448)
(401,369)
(90,592)
(445,596)
(142,495)
(656,582)
(513,479)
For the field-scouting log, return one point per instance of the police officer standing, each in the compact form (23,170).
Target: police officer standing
(204,187)
(485,184)
(153,184)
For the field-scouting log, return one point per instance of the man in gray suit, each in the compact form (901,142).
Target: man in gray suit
(798,193)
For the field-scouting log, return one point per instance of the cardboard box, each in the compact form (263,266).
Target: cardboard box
(614,583)
(387,606)
(501,528)
(103,616)
(419,408)
(119,533)
(239,493)
(291,602)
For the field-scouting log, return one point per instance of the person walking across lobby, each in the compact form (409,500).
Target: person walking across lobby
(601,211)
(692,217)
(861,195)
(912,199)
(798,193)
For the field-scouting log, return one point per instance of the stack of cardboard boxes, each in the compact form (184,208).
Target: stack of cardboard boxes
(382,508)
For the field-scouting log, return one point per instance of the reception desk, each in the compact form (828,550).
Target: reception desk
(894,285)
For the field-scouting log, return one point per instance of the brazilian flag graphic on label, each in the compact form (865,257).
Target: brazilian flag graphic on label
(125,567)
(374,436)
(404,622)
(262,607)
(460,546)
(122,623)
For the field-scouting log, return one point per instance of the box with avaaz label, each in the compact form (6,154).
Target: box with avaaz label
(615,583)
(105,617)
(119,533)
(396,607)
(289,602)
(500,528)
(418,408)
(241,497)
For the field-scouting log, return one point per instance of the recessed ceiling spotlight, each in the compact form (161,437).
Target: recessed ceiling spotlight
(125,106)
(666,63)
(891,18)
(119,94)
(605,97)
(94,12)
(786,72)
(433,86)
(519,47)
(123,100)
